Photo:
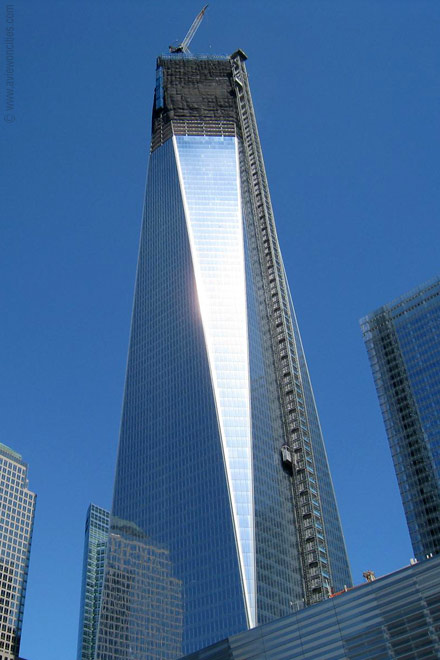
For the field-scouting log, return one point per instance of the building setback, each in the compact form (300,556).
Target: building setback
(221,462)
(95,547)
(403,343)
(396,617)
(17,508)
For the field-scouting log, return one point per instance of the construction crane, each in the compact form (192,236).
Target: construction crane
(183,47)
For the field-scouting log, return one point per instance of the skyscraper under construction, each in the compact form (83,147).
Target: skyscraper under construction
(223,509)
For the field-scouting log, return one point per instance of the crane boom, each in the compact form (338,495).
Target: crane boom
(183,47)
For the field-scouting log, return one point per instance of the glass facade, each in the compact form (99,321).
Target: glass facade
(17,509)
(200,479)
(396,617)
(95,547)
(403,343)
(141,608)
(336,546)
(210,184)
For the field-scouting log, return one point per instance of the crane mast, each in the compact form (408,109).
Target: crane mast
(183,47)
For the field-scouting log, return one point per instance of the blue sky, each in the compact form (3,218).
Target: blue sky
(346,94)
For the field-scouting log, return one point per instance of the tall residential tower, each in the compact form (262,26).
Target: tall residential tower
(221,463)
(403,343)
(17,508)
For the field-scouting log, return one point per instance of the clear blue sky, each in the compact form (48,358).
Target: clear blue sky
(347,98)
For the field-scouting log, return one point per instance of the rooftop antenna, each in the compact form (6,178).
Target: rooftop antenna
(183,47)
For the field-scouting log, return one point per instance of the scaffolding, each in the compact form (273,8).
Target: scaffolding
(297,455)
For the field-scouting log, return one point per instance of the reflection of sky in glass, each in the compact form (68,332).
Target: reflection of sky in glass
(208,168)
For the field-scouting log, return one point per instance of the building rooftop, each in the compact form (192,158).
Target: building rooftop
(11,454)
(393,616)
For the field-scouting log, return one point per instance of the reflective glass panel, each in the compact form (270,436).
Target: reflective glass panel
(208,168)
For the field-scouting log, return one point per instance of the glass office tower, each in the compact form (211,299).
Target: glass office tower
(221,463)
(17,508)
(95,548)
(403,343)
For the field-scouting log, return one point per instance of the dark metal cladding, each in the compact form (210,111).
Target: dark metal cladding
(193,96)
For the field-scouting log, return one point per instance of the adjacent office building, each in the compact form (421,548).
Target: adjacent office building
(17,508)
(95,547)
(221,463)
(142,600)
(403,343)
(396,617)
